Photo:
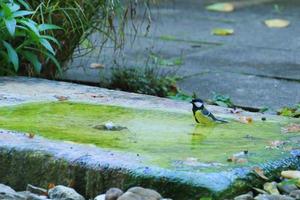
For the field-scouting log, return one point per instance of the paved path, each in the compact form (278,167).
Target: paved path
(257,66)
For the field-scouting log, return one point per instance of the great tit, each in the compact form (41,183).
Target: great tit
(202,115)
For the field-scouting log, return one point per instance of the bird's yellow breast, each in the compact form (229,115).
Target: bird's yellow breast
(202,118)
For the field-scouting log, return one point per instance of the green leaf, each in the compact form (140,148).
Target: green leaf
(6,10)
(12,55)
(25,4)
(31,25)
(22,13)
(11,25)
(48,37)
(31,57)
(47,45)
(13,7)
(45,27)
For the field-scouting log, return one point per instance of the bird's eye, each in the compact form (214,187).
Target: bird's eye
(198,104)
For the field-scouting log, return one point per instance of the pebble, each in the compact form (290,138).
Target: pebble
(113,194)
(61,192)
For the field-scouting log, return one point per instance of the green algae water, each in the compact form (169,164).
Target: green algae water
(166,139)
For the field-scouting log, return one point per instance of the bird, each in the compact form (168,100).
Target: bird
(202,115)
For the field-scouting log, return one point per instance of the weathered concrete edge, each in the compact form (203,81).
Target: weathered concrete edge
(20,90)
(92,170)
(109,168)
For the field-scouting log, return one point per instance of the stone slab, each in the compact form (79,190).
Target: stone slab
(96,169)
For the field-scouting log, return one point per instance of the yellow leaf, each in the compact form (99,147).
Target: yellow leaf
(96,65)
(222,31)
(245,120)
(221,7)
(277,23)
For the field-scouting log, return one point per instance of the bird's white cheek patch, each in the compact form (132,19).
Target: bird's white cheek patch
(198,104)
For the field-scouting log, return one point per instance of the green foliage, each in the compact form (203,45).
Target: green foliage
(24,43)
(222,100)
(79,18)
(158,60)
(143,80)
(290,111)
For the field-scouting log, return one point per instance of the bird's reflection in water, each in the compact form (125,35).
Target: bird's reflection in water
(199,134)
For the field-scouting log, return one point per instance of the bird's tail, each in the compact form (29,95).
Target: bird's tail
(221,120)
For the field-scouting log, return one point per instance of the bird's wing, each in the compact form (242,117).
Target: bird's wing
(208,114)
(211,116)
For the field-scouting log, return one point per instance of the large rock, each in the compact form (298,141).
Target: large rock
(7,193)
(273,197)
(139,193)
(61,192)
(130,196)
(287,188)
(113,194)
(100,197)
(295,194)
(30,196)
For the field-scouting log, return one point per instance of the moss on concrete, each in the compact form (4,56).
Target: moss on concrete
(166,139)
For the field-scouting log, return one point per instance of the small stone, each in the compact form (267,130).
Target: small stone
(36,190)
(61,192)
(295,194)
(248,196)
(273,197)
(8,193)
(271,188)
(100,197)
(290,174)
(113,194)
(145,193)
(286,188)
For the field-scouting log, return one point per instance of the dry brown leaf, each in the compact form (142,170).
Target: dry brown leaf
(245,120)
(260,173)
(222,31)
(51,185)
(96,65)
(61,98)
(291,128)
(277,23)
(221,7)
(291,174)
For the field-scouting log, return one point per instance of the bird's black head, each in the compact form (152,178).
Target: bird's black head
(197,103)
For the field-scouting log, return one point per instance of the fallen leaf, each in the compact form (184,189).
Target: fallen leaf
(245,120)
(271,188)
(277,23)
(221,7)
(260,173)
(291,128)
(96,65)
(291,174)
(275,144)
(61,98)
(51,185)
(31,135)
(238,157)
(241,160)
(222,31)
